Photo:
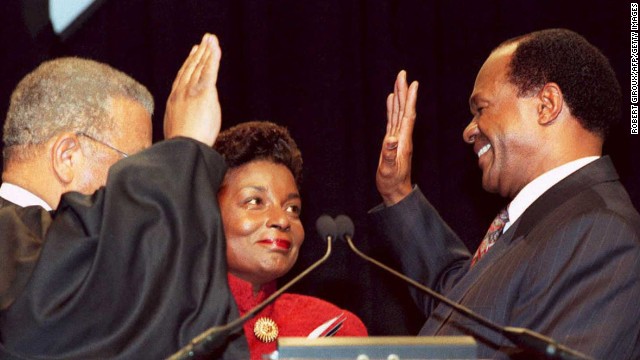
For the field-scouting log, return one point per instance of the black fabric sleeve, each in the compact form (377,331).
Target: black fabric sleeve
(134,271)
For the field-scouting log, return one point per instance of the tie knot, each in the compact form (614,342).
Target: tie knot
(504,215)
(499,222)
(494,232)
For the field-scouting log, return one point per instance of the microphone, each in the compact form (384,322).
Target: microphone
(214,337)
(327,228)
(525,338)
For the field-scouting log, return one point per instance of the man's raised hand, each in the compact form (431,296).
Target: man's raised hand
(193,109)
(393,177)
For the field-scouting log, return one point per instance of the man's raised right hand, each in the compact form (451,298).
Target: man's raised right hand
(193,109)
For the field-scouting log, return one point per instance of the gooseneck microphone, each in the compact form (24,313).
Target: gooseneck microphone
(525,338)
(214,337)
(327,228)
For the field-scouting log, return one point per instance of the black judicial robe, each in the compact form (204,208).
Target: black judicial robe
(134,271)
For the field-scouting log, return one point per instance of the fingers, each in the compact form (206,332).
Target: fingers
(389,112)
(396,104)
(401,115)
(216,55)
(190,64)
(402,96)
(193,73)
(393,178)
(187,67)
(181,71)
(193,109)
(206,72)
(196,81)
(412,95)
(401,110)
(409,116)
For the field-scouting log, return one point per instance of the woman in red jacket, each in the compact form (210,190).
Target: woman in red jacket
(260,206)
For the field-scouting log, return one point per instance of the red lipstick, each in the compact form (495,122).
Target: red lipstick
(277,243)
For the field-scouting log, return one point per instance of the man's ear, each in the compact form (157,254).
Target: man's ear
(65,155)
(551,103)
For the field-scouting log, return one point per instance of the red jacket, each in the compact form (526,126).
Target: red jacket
(294,315)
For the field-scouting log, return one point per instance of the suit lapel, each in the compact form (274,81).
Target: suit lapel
(4,203)
(488,264)
(599,171)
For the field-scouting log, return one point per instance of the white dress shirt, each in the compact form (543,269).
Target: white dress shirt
(21,197)
(533,190)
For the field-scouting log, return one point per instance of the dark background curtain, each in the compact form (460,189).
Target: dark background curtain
(324,69)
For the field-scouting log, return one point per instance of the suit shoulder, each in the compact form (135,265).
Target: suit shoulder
(605,204)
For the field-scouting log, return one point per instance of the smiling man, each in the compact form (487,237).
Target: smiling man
(563,257)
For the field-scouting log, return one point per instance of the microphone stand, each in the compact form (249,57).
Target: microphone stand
(215,336)
(520,336)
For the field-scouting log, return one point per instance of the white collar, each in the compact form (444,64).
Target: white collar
(533,190)
(21,196)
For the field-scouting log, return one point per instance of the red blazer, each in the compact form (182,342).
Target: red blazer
(294,315)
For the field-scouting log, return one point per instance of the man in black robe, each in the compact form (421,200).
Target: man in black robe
(137,269)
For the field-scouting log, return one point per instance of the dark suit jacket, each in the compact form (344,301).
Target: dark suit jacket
(4,203)
(134,271)
(569,268)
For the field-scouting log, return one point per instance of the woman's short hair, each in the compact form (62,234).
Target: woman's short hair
(260,140)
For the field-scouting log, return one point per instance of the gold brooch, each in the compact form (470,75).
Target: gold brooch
(266,330)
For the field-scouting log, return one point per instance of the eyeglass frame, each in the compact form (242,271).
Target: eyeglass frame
(122,153)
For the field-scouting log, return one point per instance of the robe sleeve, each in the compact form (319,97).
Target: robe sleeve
(135,271)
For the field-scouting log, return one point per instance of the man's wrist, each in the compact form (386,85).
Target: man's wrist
(395,197)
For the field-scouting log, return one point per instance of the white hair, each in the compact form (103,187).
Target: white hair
(68,94)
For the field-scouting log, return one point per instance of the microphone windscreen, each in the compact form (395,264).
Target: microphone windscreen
(326,227)
(345,226)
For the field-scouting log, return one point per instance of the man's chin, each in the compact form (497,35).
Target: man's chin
(489,186)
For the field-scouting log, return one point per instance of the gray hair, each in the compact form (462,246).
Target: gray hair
(68,94)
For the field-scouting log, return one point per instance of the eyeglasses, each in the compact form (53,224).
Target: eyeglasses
(124,154)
